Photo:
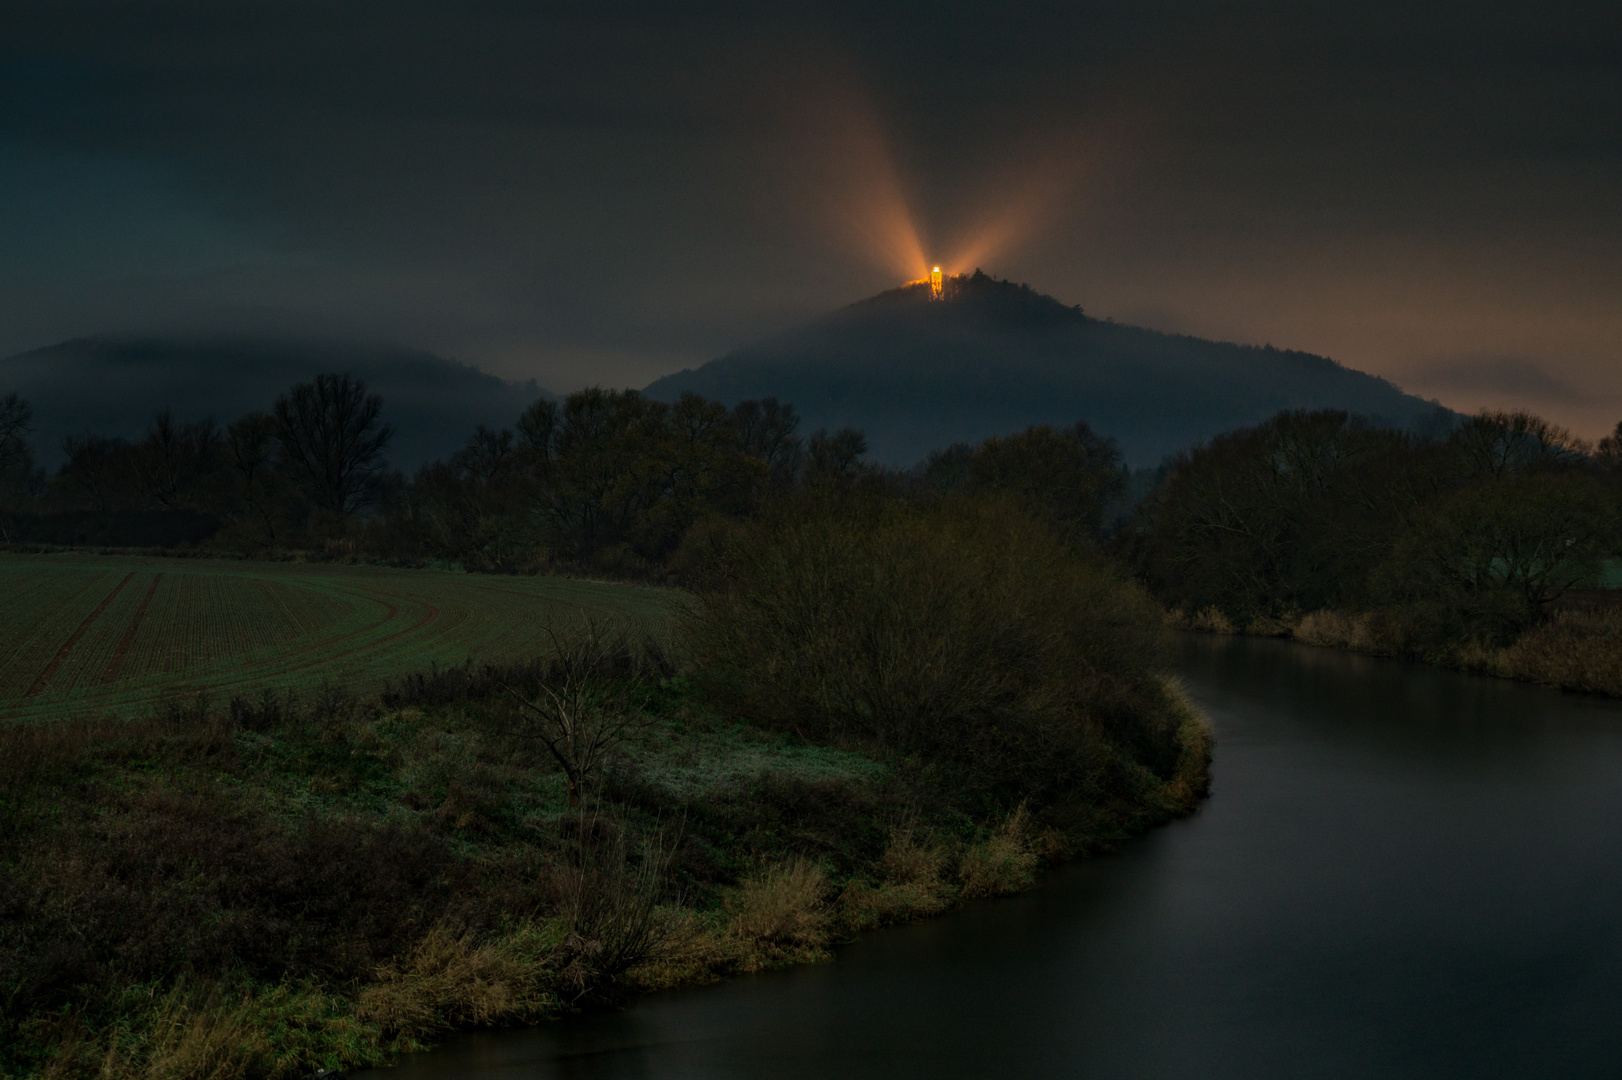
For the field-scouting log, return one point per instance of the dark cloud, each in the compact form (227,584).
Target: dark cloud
(607,192)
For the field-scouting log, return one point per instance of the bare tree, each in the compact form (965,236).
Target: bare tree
(18,476)
(835,458)
(766,430)
(16,424)
(250,442)
(1609,452)
(99,471)
(175,460)
(1498,445)
(585,706)
(332,441)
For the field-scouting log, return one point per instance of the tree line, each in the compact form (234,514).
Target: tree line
(1470,533)
(1471,530)
(604,479)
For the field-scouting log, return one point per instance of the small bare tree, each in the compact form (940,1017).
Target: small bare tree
(16,424)
(585,705)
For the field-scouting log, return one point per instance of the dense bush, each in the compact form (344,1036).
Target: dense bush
(1068,479)
(962,633)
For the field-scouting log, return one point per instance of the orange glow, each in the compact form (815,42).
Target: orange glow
(855,195)
(850,178)
(935,289)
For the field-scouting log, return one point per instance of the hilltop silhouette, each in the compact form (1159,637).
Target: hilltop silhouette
(112,386)
(994,357)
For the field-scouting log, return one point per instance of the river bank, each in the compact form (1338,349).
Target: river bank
(1403,872)
(1577,646)
(291,884)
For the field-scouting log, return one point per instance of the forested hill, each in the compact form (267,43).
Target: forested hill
(995,357)
(113,386)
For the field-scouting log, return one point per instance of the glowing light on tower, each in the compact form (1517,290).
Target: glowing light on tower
(935,291)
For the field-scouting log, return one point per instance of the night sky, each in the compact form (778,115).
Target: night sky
(604,193)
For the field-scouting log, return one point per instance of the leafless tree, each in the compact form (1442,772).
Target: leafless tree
(1498,445)
(98,470)
(1609,452)
(766,430)
(18,476)
(250,445)
(175,459)
(16,424)
(835,458)
(332,440)
(585,706)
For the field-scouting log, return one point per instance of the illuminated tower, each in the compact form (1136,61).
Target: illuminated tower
(935,291)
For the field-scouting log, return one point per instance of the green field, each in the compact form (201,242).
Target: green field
(86,634)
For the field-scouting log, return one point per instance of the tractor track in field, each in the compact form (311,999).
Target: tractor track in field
(127,642)
(389,623)
(66,650)
(253,673)
(393,610)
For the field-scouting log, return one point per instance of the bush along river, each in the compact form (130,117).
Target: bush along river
(1402,872)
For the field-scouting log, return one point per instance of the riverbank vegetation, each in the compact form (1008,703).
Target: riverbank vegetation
(1481,547)
(876,705)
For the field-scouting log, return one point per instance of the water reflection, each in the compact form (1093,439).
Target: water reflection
(1403,873)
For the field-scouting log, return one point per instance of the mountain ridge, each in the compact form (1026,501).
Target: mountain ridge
(112,385)
(993,356)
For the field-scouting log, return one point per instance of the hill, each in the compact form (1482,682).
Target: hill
(994,357)
(114,385)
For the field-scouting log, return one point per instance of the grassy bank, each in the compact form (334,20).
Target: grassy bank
(873,711)
(1577,646)
(293,885)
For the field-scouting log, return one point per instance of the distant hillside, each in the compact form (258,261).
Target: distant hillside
(113,386)
(995,357)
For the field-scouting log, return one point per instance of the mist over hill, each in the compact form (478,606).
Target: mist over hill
(995,357)
(114,385)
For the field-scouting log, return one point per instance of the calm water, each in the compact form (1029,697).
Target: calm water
(1401,873)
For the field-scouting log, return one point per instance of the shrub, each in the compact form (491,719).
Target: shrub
(912,883)
(782,908)
(1361,631)
(452,979)
(1002,863)
(963,633)
(1575,650)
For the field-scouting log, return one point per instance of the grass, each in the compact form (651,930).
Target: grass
(84,634)
(324,881)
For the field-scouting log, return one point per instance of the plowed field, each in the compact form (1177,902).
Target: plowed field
(86,634)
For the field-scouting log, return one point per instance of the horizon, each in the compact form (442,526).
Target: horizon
(606,197)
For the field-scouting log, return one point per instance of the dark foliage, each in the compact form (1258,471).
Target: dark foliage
(963,633)
(1468,535)
(1068,478)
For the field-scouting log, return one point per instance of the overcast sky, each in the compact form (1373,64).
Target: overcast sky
(603,193)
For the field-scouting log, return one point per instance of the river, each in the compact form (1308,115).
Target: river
(1401,872)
